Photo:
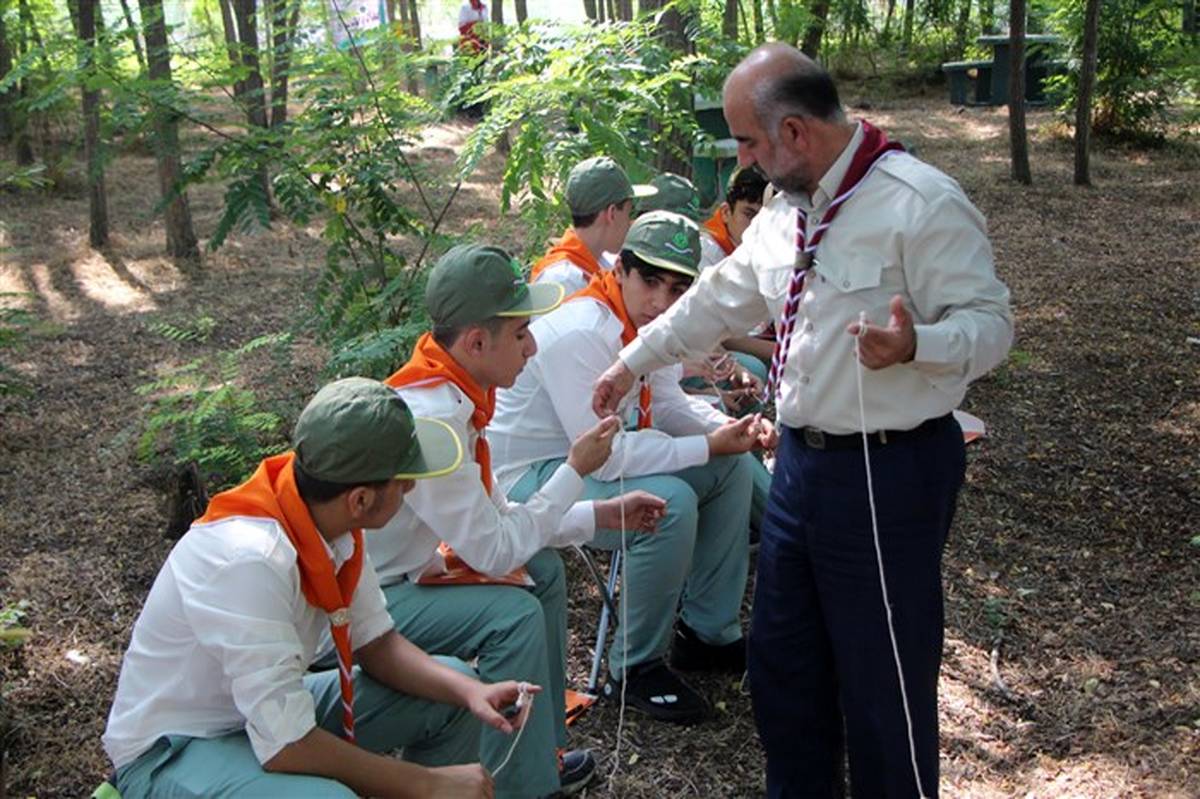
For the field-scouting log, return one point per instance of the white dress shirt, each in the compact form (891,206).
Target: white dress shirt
(908,230)
(711,253)
(224,640)
(550,404)
(491,534)
(566,274)
(468,14)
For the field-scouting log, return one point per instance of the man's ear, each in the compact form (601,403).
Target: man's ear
(474,340)
(358,502)
(794,133)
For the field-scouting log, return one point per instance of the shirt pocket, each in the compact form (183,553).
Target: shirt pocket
(848,275)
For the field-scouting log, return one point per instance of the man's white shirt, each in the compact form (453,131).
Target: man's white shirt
(908,230)
(550,403)
(566,274)
(225,638)
(711,253)
(491,534)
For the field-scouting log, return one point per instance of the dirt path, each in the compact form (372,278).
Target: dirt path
(1073,640)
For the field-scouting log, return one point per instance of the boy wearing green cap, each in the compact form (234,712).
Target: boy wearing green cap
(600,198)
(673,193)
(480,307)
(684,451)
(214,699)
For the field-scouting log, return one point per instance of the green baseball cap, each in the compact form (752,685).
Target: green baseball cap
(358,430)
(472,283)
(667,240)
(599,182)
(675,193)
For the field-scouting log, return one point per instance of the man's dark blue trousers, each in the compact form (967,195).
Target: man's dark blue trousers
(822,674)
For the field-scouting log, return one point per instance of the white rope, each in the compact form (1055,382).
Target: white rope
(524,700)
(623,608)
(862,414)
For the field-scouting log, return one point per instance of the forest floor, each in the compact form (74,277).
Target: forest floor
(1072,656)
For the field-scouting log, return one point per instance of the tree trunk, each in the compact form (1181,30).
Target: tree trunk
(1189,17)
(83,13)
(231,44)
(729,20)
(961,26)
(674,153)
(759,30)
(20,119)
(1017,136)
(245,12)
(522,11)
(497,12)
(987,16)
(181,238)
(910,12)
(132,33)
(1087,83)
(886,33)
(6,62)
(812,35)
(287,21)
(589,9)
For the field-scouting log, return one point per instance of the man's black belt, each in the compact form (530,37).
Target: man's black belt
(814,438)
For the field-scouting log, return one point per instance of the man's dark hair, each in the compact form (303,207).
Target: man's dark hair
(748,185)
(446,335)
(631,261)
(805,90)
(314,491)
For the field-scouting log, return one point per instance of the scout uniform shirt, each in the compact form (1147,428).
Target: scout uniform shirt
(490,533)
(908,230)
(551,403)
(224,639)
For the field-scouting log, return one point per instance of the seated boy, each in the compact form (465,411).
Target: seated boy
(684,451)
(480,307)
(672,193)
(600,198)
(213,698)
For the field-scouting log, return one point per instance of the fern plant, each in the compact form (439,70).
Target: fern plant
(200,412)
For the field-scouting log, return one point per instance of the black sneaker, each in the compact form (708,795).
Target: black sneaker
(660,693)
(575,770)
(689,653)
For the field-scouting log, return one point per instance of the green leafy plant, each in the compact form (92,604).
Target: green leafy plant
(199,412)
(12,634)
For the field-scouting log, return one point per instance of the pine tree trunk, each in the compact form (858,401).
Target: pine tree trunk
(132,32)
(245,13)
(1189,17)
(961,26)
(6,63)
(812,35)
(83,15)
(729,20)
(231,44)
(589,9)
(497,12)
(759,30)
(20,119)
(181,238)
(522,11)
(1087,84)
(910,13)
(1017,135)
(286,24)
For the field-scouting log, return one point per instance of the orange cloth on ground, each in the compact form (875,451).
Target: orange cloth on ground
(716,227)
(431,364)
(271,493)
(571,248)
(605,289)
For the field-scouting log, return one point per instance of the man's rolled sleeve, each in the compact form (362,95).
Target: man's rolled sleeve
(243,617)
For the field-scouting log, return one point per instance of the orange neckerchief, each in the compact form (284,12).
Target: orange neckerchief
(605,289)
(430,363)
(716,227)
(572,248)
(271,493)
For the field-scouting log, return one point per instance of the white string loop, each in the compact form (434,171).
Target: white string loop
(887,606)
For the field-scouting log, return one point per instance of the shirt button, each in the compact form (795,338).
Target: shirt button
(804,379)
(809,327)
(845,284)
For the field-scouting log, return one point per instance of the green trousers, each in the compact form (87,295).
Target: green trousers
(512,634)
(698,557)
(430,733)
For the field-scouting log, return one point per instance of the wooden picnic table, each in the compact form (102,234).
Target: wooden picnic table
(1037,49)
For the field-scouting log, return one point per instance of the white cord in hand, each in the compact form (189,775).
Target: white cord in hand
(524,700)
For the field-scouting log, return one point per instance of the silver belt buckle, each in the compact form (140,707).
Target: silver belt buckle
(814,438)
